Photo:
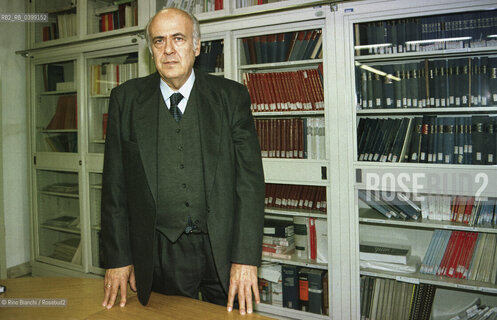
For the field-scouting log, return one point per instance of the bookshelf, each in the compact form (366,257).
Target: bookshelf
(426,85)
(275,63)
(62,22)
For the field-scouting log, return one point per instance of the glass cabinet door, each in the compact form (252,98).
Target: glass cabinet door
(56,121)
(57,216)
(105,73)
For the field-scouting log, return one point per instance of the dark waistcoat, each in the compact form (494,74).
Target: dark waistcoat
(181,188)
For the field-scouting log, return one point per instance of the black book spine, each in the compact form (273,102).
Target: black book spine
(289,278)
(478,139)
(484,77)
(451,79)
(465,82)
(475,75)
(490,141)
(377,91)
(440,140)
(431,84)
(370,93)
(397,86)
(425,139)
(414,149)
(448,143)
(388,89)
(492,81)
(460,140)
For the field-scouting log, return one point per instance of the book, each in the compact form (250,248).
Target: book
(304,289)
(301,228)
(384,252)
(278,228)
(289,278)
(315,282)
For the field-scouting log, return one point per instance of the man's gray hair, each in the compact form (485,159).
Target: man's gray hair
(196,28)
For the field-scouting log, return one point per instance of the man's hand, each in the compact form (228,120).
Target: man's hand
(118,278)
(243,281)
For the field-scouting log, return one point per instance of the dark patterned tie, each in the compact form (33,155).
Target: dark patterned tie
(175,99)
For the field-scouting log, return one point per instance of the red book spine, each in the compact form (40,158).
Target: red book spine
(258,90)
(456,255)
(461,261)
(283,135)
(451,252)
(469,208)
(312,238)
(454,207)
(105,119)
(474,238)
(304,89)
(446,253)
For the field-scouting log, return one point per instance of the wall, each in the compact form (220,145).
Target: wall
(14,136)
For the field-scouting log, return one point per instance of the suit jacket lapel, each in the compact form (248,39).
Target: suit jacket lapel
(146,109)
(210,127)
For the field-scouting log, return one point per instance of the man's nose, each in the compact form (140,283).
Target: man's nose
(168,47)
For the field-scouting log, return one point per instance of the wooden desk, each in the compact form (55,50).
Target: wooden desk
(84,301)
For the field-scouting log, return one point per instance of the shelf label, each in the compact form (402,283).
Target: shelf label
(407,279)
(489,290)
(373,220)
(465,287)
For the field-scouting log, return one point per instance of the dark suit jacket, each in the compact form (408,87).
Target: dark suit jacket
(233,175)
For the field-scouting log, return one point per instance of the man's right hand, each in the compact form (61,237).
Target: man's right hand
(115,279)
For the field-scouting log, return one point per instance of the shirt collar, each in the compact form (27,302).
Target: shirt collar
(185,90)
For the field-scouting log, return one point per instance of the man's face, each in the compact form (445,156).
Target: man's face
(171,35)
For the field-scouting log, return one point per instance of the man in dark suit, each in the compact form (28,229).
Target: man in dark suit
(183,186)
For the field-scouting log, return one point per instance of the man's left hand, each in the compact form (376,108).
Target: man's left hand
(243,281)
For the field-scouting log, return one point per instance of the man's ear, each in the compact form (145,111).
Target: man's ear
(197,50)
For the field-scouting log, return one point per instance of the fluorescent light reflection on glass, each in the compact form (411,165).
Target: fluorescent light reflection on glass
(374,70)
(438,40)
(372,46)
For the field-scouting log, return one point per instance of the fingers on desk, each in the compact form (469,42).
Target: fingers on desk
(114,280)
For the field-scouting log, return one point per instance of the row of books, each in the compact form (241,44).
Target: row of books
(295,197)
(286,91)
(477,311)
(54,74)
(468,210)
(289,46)
(194,6)
(295,287)
(250,3)
(105,76)
(299,238)
(63,221)
(463,209)
(459,30)
(298,138)
(211,57)
(391,299)
(392,205)
(62,187)
(66,26)
(464,82)
(68,250)
(462,255)
(428,139)
(117,16)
